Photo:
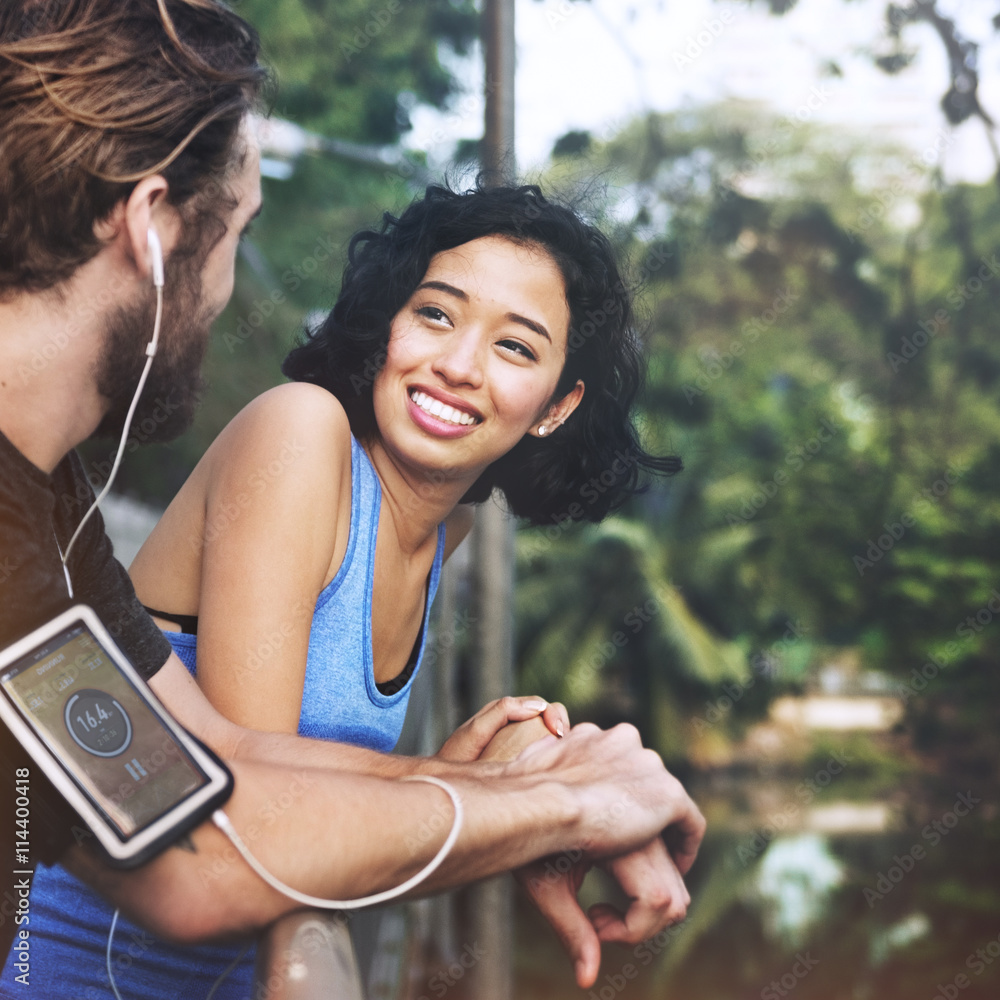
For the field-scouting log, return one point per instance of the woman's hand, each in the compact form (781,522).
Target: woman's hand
(493,732)
(514,737)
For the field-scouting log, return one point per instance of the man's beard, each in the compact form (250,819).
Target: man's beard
(173,386)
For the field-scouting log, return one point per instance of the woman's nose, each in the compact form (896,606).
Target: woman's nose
(460,360)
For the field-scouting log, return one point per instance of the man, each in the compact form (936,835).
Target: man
(118,117)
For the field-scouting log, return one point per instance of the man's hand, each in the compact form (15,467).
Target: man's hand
(648,875)
(471,738)
(623,794)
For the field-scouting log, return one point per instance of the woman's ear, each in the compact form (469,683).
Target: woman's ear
(557,414)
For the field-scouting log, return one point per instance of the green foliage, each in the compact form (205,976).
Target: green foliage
(830,376)
(604,629)
(342,64)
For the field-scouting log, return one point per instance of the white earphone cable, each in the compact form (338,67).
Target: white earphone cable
(150,354)
(222,821)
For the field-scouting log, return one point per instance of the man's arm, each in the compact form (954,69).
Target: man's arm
(313,829)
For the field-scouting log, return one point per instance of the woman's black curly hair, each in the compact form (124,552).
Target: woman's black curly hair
(588,467)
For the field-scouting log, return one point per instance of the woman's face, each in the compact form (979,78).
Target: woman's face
(474,357)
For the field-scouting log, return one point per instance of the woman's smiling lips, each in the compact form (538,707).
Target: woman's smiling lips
(440,417)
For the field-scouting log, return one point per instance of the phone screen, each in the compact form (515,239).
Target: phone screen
(95,721)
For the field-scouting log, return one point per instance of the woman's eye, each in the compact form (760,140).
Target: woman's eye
(432,313)
(518,348)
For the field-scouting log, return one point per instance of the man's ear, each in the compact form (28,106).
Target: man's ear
(558,412)
(129,224)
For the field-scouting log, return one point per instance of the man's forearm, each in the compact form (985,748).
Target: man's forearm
(332,835)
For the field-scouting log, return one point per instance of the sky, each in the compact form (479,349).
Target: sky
(594,65)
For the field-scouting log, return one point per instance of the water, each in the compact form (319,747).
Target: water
(866,885)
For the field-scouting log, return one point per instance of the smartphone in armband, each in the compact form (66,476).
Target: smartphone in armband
(100,735)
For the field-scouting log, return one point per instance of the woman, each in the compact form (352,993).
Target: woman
(480,341)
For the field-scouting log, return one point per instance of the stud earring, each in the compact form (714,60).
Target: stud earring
(543,430)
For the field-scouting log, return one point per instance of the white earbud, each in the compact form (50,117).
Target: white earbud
(156,252)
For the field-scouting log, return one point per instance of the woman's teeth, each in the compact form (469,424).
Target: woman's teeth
(442,410)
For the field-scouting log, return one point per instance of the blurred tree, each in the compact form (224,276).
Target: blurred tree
(961,100)
(819,323)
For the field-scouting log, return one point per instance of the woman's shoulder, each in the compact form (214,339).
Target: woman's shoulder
(299,406)
(277,428)
(296,415)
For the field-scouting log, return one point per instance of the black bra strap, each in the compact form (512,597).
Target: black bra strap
(398,682)
(187,623)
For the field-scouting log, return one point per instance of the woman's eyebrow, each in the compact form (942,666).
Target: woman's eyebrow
(530,324)
(443,286)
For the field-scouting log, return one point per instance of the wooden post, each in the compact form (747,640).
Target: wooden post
(493,539)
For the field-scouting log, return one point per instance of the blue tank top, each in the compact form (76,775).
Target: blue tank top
(340,701)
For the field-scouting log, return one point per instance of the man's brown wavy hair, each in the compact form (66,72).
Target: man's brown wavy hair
(96,95)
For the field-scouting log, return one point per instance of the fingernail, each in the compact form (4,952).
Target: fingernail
(536,705)
(559,730)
